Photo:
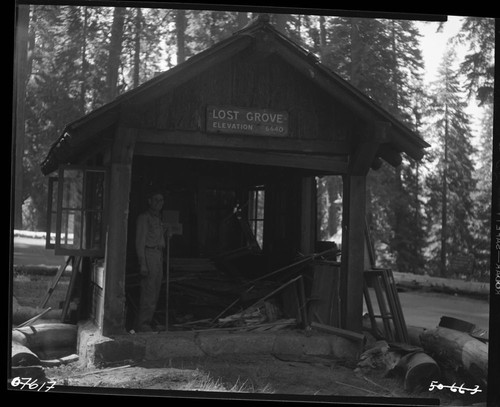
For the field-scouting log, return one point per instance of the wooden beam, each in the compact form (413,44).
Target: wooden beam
(353,247)
(387,153)
(115,257)
(197,138)
(362,159)
(308,215)
(334,165)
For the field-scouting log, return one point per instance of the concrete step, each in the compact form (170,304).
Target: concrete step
(97,350)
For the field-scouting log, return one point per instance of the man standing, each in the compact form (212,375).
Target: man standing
(150,243)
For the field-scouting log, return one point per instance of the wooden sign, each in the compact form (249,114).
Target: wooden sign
(237,120)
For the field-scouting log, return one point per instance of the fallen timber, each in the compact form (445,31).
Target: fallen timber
(458,351)
(31,346)
(446,285)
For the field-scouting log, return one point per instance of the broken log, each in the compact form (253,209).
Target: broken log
(49,335)
(23,356)
(457,350)
(419,370)
(464,326)
(439,284)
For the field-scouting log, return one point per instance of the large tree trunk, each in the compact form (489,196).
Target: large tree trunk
(137,47)
(242,19)
(458,351)
(21,72)
(180,21)
(115,50)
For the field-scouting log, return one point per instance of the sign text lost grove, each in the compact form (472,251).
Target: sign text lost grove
(236,120)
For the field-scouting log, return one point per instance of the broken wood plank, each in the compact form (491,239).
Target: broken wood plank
(60,361)
(300,262)
(35,318)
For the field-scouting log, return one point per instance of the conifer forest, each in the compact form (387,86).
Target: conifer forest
(422,217)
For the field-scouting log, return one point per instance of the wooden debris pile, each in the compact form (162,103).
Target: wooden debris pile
(204,297)
(455,352)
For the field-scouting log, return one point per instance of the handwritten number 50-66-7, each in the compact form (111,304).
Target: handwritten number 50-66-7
(31,384)
(454,388)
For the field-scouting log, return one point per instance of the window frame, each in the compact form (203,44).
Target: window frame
(83,210)
(255,222)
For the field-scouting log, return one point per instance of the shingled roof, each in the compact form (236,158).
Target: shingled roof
(78,134)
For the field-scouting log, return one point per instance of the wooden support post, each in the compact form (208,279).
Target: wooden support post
(114,284)
(353,247)
(308,215)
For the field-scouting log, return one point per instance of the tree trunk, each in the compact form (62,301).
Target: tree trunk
(83,88)
(459,351)
(242,19)
(281,20)
(180,21)
(355,53)
(444,199)
(322,38)
(137,47)
(115,50)
(21,72)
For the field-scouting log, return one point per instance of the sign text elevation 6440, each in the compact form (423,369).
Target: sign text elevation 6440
(237,120)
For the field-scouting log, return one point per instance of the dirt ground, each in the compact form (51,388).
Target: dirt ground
(255,377)
(265,377)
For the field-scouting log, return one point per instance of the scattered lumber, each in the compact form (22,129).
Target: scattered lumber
(59,361)
(457,350)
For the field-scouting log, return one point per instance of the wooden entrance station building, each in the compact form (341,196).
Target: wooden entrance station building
(243,128)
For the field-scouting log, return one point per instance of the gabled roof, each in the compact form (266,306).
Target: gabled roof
(82,131)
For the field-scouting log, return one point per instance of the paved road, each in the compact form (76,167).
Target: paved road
(419,308)
(426,309)
(29,251)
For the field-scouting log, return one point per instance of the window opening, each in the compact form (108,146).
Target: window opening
(256,200)
(80,211)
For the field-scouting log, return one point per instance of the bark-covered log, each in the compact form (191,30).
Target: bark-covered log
(457,350)
(420,370)
(22,313)
(50,335)
(23,356)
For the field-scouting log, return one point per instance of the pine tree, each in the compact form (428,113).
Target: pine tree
(482,197)
(478,64)
(451,183)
